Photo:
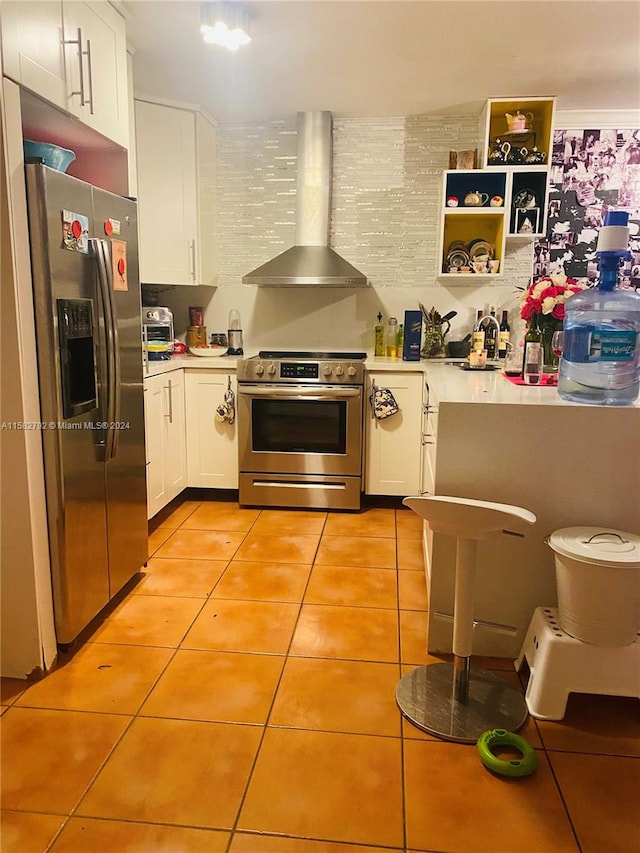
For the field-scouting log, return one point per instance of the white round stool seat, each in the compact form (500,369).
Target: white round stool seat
(455,701)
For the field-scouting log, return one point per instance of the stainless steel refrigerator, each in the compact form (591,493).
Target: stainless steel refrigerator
(84,254)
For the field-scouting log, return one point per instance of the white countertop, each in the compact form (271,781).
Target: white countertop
(448,381)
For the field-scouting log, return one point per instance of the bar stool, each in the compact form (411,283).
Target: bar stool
(454,701)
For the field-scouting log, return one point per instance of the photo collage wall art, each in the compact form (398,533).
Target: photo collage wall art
(591,171)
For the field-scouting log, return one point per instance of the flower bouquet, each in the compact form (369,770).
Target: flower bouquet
(544,300)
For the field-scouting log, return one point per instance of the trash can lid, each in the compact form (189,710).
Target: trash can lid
(598,545)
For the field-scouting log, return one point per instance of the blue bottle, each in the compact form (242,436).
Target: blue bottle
(601,353)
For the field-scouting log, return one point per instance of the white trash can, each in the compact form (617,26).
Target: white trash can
(598,579)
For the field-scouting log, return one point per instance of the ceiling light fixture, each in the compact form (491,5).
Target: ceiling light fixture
(225,24)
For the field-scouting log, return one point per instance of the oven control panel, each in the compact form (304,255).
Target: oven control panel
(331,371)
(298,370)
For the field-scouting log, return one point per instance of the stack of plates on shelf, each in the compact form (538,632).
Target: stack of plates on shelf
(457,255)
(479,249)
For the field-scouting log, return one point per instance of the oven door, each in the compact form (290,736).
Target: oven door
(300,429)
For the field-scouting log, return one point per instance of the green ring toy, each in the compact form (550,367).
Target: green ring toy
(524,766)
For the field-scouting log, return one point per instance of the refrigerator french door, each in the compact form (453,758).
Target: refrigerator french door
(87,307)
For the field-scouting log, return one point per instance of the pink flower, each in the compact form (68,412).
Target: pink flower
(547,296)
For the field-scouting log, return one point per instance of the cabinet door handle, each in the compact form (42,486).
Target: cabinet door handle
(427,439)
(87,53)
(192,247)
(80,91)
(170,415)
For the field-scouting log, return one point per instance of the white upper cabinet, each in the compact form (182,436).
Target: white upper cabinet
(32,48)
(175,153)
(96,62)
(73,55)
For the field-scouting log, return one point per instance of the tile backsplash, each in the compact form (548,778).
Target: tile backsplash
(385,219)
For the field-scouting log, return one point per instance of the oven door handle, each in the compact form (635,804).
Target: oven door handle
(297,393)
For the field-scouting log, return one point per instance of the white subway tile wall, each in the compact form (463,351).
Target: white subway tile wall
(385,219)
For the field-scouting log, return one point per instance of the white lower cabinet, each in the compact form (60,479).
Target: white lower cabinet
(212,444)
(393,450)
(164,415)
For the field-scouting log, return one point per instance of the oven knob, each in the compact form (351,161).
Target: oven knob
(326,370)
(339,370)
(259,369)
(351,371)
(271,369)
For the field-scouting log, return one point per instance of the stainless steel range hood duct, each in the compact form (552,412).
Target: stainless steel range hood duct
(311,261)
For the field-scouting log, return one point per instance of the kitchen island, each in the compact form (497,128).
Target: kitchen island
(570,464)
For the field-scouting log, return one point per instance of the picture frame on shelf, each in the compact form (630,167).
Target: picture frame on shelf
(527,220)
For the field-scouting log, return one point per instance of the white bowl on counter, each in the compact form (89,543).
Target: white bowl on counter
(209,351)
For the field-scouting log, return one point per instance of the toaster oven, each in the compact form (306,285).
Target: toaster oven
(157,329)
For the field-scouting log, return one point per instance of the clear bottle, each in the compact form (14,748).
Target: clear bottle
(505,335)
(533,338)
(379,337)
(235,333)
(478,332)
(600,361)
(392,338)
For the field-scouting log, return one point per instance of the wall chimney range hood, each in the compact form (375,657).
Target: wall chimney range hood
(311,261)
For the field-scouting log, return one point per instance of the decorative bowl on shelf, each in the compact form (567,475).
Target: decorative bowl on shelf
(208,350)
(54,156)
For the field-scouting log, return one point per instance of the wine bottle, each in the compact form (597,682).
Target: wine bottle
(505,335)
(491,336)
(533,336)
(478,332)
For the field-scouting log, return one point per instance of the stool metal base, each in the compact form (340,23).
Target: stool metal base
(426,697)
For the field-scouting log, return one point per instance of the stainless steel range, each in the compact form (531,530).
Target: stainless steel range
(300,429)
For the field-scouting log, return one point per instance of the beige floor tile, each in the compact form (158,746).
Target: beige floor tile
(201,545)
(113,836)
(356,633)
(290,522)
(331,786)
(263,581)
(149,620)
(278,549)
(244,842)
(157,538)
(338,696)
(49,757)
(353,587)
(244,626)
(239,687)
(189,578)
(356,551)
(449,796)
(369,522)
(216,515)
(600,724)
(26,832)
(412,590)
(174,514)
(408,524)
(410,556)
(100,677)
(601,793)
(11,688)
(175,771)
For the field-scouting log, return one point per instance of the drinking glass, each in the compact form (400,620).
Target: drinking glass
(513,361)
(557,343)
(533,364)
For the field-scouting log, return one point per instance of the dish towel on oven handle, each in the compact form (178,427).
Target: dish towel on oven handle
(383,403)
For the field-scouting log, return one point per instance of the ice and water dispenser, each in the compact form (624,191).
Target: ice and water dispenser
(77,356)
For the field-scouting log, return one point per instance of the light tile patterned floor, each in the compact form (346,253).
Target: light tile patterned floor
(240,699)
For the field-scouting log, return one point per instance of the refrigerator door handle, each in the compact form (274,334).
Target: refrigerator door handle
(113,360)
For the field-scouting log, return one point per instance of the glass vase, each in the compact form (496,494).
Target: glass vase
(548,326)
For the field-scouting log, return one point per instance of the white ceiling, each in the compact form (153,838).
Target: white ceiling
(390,57)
